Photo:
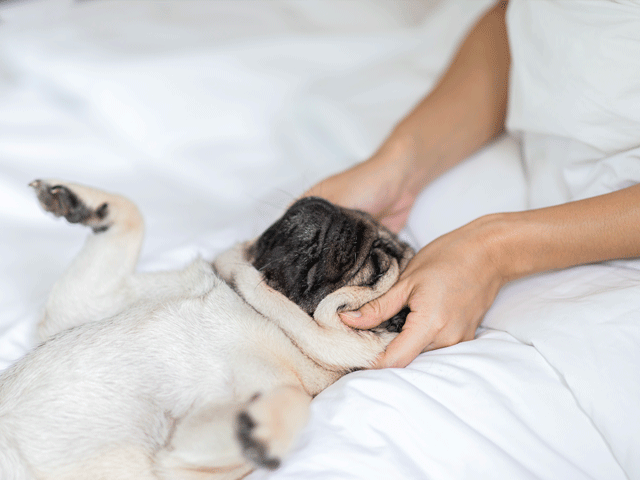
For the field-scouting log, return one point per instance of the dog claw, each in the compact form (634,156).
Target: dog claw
(62,201)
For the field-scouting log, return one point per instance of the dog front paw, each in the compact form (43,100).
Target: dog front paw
(63,201)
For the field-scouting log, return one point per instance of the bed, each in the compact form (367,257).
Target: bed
(212,117)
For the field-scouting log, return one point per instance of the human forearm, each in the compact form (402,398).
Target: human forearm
(596,229)
(451,283)
(465,110)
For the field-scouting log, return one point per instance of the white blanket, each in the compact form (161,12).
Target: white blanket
(213,116)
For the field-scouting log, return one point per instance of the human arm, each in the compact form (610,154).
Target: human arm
(465,110)
(453,281)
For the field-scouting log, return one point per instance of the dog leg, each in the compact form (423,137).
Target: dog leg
(93,287)
(270,423)
(203,445)
(236,438)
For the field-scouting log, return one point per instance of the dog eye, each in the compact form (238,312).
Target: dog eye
(388,247)
(382,244)
(311,274)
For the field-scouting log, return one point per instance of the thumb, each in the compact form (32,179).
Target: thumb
(376,311)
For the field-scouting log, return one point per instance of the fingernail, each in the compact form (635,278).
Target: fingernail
(354,314)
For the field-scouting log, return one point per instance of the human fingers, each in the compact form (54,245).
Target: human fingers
(395,221)
(377,311)
(409,343)
(327,188)
(415,339)
(349,188)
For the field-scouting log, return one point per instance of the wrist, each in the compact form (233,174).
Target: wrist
(512,244)
(414,154)
(431,147)
(396,161)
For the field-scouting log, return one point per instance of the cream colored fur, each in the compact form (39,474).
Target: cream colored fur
(144,376)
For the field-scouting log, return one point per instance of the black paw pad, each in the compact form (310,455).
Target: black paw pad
(102,211)
(67,204)
(62,202)
(254,450)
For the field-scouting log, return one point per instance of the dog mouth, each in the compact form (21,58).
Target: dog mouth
(316,247)
(395,323)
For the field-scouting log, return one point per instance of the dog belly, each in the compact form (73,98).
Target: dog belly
(123,463)
(127,381)
(75,424)
(86,391)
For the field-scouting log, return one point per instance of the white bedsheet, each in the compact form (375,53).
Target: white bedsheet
(212,116)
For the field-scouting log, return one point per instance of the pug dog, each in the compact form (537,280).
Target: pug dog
(201,373)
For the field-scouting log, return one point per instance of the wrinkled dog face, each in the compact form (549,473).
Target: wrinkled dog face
(317,248)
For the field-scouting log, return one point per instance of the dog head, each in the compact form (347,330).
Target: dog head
(316,261)
(317,248)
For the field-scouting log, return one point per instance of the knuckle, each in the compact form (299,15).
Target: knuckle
(438,325)
(375,307)
(450,339)
(470,335)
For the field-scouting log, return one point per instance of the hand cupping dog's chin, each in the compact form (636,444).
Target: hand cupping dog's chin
(316,248)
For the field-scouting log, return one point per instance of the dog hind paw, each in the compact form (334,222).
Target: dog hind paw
(254,449)
(269,423)
(63,201)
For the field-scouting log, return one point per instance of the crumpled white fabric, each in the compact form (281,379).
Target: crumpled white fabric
(491,408)
(574,95)
(585,322)
(213,116)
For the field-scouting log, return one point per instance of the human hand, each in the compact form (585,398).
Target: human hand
(381,186)
(448,286)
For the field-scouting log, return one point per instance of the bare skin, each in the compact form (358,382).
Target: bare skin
(451,283)
(463,112)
